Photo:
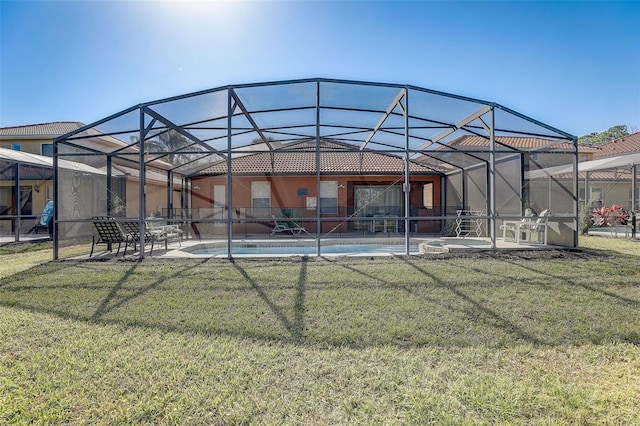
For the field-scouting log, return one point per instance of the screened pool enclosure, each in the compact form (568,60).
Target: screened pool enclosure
(319,163)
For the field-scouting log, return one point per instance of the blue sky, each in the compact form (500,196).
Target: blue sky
(573,65)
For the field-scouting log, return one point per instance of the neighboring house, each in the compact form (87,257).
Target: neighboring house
(35,142)
(605,186)
(613,185)
(35,188)
(35,138)
(36,184)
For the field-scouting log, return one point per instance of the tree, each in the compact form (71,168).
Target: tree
(171,142)
(595,139)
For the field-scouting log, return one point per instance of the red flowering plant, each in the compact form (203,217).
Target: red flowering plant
(610,216)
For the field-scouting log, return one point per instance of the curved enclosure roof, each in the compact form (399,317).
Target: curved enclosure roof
(199,133)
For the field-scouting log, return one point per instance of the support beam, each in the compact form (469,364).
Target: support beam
(178,129)
(407,177)
(401,94)
(230,109)
(16,202)
(56,199)
(250,119)
(142,192)
(318,174)
(634,200)
(485,109)
(492,178)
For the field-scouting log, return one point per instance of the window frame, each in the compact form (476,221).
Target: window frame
(256,209)
(331,187)
(42,147)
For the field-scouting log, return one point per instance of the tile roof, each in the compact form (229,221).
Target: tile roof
(41,130)
(516,142)
(624,145)
(300,158)
(607,175)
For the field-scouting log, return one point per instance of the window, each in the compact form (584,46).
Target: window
(637,200)
(219,202)
(6,200)
(427,195)
(46,149)
(329,196)
(26,200)
(16,147)
(596,196)
(378,200)
(261,198)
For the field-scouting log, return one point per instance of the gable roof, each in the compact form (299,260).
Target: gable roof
(629,144)
(300,159)
(42,130)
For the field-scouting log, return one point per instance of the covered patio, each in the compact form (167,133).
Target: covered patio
(339,162)
(26,188)
(604,182)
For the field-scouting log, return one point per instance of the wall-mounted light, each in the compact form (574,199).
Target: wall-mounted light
(36,188)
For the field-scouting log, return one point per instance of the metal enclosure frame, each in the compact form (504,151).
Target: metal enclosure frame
(450,136)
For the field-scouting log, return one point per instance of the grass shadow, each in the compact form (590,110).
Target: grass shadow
(479,310)
(355,303)
(294,327)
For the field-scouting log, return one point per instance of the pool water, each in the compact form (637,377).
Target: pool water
(338,249)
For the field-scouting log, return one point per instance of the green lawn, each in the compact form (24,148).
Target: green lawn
(493,338)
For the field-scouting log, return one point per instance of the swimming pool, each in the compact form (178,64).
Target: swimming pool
(307,250)
(612,231)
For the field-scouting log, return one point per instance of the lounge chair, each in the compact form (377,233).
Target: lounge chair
(109,233)
(159,225)
(286,223)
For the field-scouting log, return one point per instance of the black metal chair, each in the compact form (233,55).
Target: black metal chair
(109,233)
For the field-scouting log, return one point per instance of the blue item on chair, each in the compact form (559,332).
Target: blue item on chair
(47,213)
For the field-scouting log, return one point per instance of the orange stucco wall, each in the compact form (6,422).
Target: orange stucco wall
(284,194)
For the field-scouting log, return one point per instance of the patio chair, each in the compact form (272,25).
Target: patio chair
(539,227)
(132,229)
(109,233)
(286,223)
(518,228)
(159,225)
